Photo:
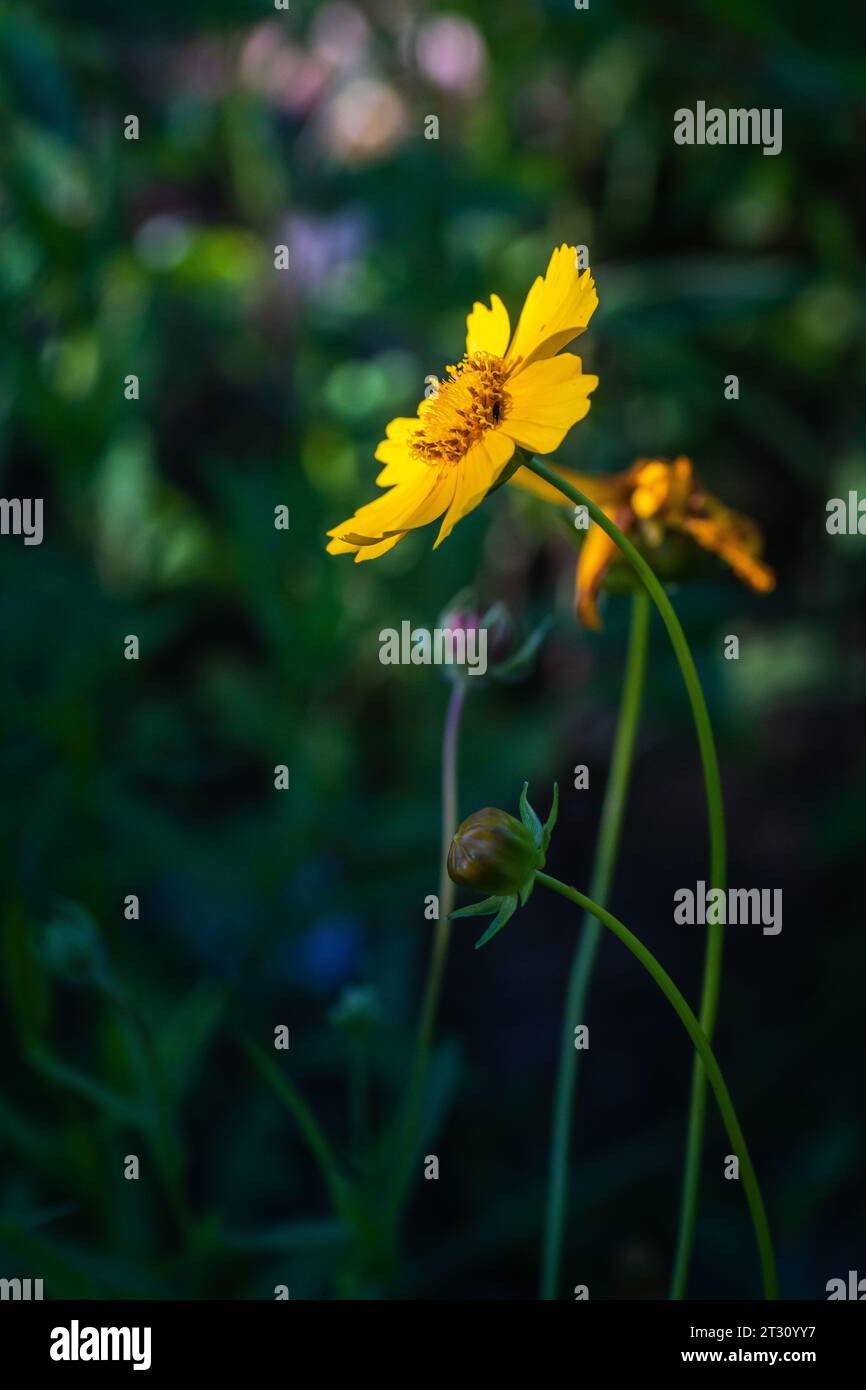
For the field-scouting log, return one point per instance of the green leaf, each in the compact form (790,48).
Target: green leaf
(186,1033)
(496,613)
(72,1271)
(27,993)
(307,1123)
(296,1238)
(117,1106)
(517,665)
(441,1088)
(29,1220)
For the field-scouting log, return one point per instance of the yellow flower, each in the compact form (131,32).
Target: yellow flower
(442,461)
(653,497)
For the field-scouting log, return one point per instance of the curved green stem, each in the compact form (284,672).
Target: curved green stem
(439,953)
(710,1067)
(607,847)
(697,1116)
(718,859)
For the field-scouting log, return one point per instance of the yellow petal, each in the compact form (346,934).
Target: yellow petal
(372,552)
(736,540)
(487,330)
(547,398)
(660,486)
(682,483)
(402,508)
(652,490)
(557,309)
(476,474)
(596,554)
(395,452)
(361,546)
(336,546)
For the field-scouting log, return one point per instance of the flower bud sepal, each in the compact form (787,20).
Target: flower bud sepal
(504,907)
(516,857)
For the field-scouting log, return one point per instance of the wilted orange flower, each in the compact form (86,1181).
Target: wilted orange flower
(653,497)
(442,461)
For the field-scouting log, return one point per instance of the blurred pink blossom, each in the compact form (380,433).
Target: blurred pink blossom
(340,35)
(291,78)
(364,121)
(452,54)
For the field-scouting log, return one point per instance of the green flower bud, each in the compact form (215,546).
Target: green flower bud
(357,1011)
(500,855)
(494,853)
(68,945)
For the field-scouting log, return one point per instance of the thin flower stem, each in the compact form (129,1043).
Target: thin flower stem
(439,953)
(607,847)
(718,861)
(710,1066)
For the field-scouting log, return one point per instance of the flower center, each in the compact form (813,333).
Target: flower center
(467,405)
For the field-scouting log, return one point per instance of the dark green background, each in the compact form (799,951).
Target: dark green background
(156,778)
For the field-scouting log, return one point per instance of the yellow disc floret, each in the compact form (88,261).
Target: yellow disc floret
(467,405)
